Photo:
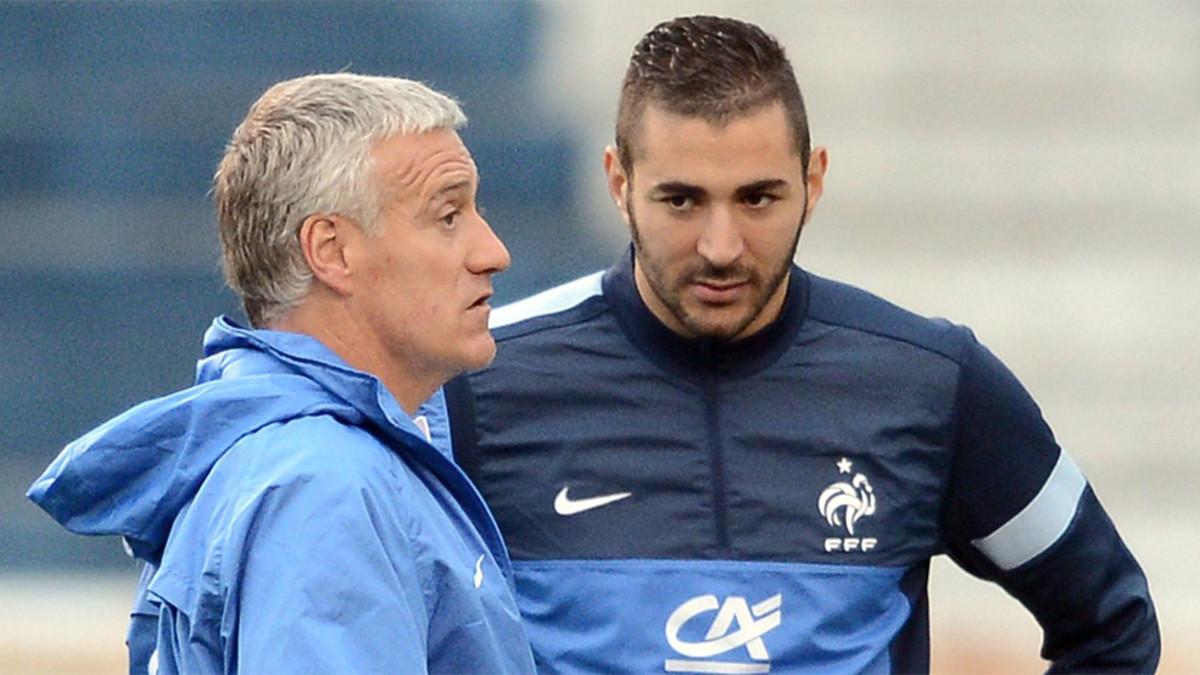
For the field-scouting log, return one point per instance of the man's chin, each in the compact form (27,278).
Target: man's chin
(721,331)
(716,323)
(481,355)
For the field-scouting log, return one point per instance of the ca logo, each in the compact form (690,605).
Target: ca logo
(722,637)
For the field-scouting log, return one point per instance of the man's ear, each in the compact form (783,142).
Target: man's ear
(818,164)
(618,182)
(324,239)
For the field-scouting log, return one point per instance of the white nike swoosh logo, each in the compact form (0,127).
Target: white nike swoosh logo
(565,506)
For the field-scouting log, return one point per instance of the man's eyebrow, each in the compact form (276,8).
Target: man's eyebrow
(760,186)
(448,191)
(455,186)
(676,188)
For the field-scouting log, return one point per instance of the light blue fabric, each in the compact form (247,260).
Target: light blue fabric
(295,520)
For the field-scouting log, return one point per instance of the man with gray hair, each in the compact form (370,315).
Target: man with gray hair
(297,511)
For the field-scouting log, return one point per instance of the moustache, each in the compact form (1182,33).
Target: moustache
(707,272)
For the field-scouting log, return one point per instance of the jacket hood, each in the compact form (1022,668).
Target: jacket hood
(131,475)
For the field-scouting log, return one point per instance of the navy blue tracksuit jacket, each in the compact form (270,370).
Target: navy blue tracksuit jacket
(771,505)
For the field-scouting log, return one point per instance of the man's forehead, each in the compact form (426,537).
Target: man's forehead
(662,130)
(414,159)
(731,154)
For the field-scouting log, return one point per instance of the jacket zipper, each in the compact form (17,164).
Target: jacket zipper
(716,462)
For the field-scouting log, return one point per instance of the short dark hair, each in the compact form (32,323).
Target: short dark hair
(710,67)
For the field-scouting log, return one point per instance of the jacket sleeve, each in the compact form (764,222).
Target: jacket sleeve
(312,570)
(326,587)
(143,625)
(1021,513)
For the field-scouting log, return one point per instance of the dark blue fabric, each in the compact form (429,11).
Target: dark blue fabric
(849,434)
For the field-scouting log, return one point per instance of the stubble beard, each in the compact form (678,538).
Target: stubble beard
(670,293)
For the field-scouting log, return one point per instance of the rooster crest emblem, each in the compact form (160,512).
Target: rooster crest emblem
(842,503)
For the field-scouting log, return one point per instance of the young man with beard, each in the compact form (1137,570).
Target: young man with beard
(707,459)
(294,512)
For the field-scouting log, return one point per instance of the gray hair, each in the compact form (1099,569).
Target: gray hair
(304,148)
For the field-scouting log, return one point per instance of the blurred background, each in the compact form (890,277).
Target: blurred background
(1031,169)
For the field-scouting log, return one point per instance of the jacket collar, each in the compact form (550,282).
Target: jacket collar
(232,350)
(700,359)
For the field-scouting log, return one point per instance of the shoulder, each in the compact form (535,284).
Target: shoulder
(564,305)
(306,495)
(844,306)
(320,452)
(307,476)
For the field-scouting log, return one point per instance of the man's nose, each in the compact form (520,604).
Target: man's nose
(721,242)
(488,255)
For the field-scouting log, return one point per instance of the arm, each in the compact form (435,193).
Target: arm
(1020,513)
(294,556)
(327,584)
(143,625)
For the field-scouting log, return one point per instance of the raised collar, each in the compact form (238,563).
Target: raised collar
(232,350)
(699,359)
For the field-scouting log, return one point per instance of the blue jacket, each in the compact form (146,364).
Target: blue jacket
(293,518)
(772,504)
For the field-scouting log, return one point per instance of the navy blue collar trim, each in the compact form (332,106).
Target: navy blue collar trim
(697,359)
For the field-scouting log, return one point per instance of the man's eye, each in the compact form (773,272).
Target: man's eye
(760,200)
(678,202)
(449,220)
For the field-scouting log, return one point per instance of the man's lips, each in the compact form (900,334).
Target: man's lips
(719,292)
(481,302)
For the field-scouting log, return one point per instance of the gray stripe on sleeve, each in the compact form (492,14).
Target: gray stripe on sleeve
(1041,522)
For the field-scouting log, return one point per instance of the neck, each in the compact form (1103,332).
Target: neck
(343,334)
